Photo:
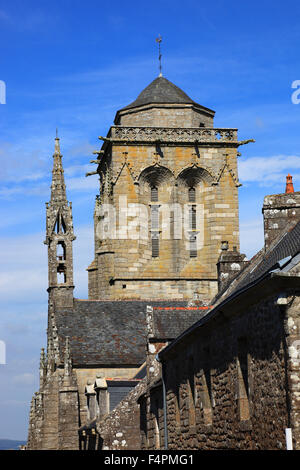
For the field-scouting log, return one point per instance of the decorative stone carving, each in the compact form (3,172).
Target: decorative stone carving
(176,135)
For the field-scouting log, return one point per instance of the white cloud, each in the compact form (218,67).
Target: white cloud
(268,170)
(24,265)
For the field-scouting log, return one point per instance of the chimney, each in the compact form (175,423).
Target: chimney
(289,188)
(229,265)
(279,210)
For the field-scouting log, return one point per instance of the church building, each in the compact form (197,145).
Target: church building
(167,206)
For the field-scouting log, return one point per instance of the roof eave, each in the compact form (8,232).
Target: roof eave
(266,285)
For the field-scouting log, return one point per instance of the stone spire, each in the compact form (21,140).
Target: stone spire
(59,236)
(58,187)
(289,187)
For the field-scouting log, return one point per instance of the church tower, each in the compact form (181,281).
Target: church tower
(59,237)
(168,199)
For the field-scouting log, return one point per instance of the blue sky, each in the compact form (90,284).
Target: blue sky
(71,65)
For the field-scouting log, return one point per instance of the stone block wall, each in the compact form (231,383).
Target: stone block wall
(228,385)
(278,210)
(120,430)
(292,330)
(155,418)
(54,415)
(167,115)
(85,375)
(124,266)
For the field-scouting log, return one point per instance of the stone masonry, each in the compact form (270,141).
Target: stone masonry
(232,379)
(278,211)
(153,147)
(168,198)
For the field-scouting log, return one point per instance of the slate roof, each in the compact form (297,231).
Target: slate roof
(282,256)
(161,91)
(168,324)
(106,333)
(285,245)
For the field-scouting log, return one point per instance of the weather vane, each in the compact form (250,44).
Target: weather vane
(159,40)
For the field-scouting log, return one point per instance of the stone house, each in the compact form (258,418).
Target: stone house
(231,381)
(120,429)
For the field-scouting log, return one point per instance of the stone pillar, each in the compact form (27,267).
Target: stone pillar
(68,405)
(229,265)
(68,415)
(90,394)
(102,395)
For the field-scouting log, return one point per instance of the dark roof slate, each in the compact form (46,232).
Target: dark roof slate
(104,332)
(161,91)
(285,245)
(168,324)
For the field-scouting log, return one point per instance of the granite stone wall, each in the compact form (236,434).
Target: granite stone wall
(279,210)
(120,429)
(233,385)
(124,267)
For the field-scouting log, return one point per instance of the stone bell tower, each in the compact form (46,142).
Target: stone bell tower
(168,198)
(59,237)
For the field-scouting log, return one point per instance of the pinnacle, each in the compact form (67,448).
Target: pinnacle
(58,188)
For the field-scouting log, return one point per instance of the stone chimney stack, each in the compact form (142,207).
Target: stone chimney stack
(280,209)
(289,188)
(229,264)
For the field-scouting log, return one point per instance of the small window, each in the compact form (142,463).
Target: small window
(61,277)
(192,195)
(63,225)
(155,246)
(193,246)
(61,251)
(155,231)
(60,226)
(154,194)
(192,217)
(57,225)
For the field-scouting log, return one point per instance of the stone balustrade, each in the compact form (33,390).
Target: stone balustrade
(173,135)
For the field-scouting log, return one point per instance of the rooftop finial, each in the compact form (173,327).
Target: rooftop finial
(289,188)
(57,147)
(159,40)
